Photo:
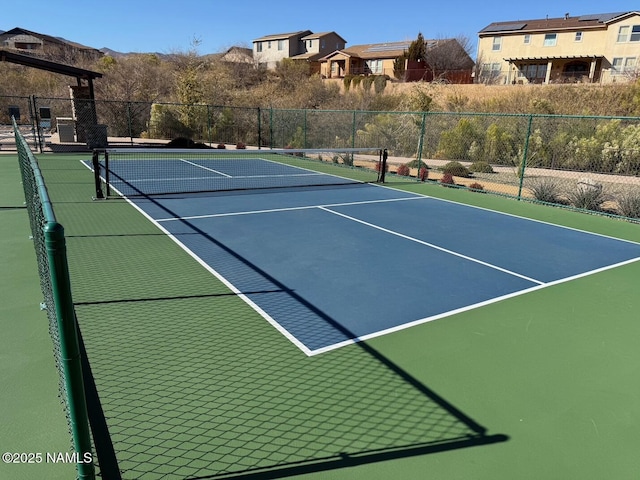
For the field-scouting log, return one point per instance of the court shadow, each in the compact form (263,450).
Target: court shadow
(221,394)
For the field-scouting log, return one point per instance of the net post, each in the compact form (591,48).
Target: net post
(107,179)
(96,174)
(383,166)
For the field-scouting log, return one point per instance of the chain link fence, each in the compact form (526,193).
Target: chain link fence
(50,246)
(590,163)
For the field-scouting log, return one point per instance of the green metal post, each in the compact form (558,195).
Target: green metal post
(421,143)
(523,166)
(304,145)
(353,131)
(129,122)
(271,127)
(69,349)
(259,128)
(209,132)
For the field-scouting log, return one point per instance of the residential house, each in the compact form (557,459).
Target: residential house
(47,47)
(303,45)
(271,49)
(237,55)
(596,48)
(318,45)
(446,59)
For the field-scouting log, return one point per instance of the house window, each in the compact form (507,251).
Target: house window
(258,47)
(629,64)
(550,39)
(497,44)
(269,44)
(616,66)
(578,37)
(535,73)
(621,65)
(374,66)
(280,44)
(635,34)
(623,34)
(527,39)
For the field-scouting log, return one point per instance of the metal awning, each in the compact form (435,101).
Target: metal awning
(551,59)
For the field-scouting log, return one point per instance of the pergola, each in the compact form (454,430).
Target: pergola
(79,73)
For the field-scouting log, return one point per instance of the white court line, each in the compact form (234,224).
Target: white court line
(420,321)
(434,246)
(286,209)
(205,168)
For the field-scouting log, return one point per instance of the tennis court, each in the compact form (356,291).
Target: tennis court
(195,370)
(335,261)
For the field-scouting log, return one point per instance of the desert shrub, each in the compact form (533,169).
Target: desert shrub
(476,186)
(587,195)
(447,179)
(456,169)
(546,189)
(481,167)
(424,174)
(221,146)
(456,143)
(240,146)
(380,83)
(629,204)
(367,82)
(403,170)
(347,82)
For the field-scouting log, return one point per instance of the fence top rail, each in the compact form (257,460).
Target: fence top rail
(363,112)
(47,207)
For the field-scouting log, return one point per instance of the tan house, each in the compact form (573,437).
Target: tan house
(45,46)
(598,48)
(446,59)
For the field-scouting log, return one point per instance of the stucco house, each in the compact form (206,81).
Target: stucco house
(594,48)
(446,59)
(45,46)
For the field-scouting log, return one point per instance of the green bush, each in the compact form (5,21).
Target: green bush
(481,167)
(380,83)
(456,169)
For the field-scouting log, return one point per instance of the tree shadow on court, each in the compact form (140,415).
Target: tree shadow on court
(197,385)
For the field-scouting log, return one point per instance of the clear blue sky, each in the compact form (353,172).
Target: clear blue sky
(172,26)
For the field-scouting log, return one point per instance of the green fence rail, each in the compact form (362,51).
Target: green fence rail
(50,246)
(583,162)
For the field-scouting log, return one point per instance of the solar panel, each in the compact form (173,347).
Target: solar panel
(388,47)
(505,27)
(601,17)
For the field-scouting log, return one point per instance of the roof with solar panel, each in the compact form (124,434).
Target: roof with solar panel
(583,22)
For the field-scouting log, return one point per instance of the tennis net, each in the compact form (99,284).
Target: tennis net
(161,171)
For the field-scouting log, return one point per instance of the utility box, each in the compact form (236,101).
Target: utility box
(14,111)
(66,127)
(45,118)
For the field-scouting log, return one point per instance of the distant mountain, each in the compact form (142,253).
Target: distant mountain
(115,54)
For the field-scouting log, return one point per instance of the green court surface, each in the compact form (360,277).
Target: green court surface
(192,383)
(31,418)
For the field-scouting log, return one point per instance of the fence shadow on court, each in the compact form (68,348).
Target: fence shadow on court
(189,381)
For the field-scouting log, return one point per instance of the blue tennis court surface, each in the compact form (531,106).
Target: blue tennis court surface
(328,266)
